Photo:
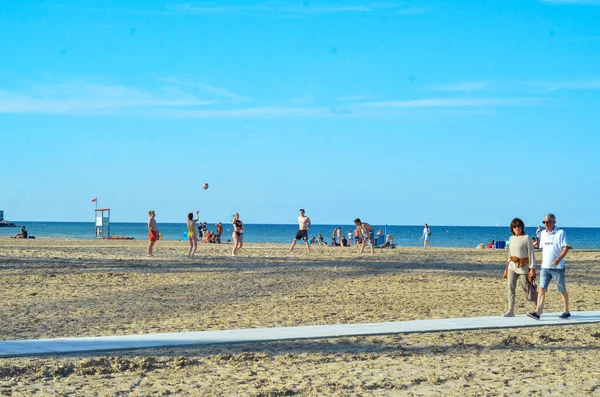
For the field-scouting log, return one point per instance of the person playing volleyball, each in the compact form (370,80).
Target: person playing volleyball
(365,232)
(304,226)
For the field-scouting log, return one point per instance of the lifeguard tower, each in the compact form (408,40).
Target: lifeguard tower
(102,222)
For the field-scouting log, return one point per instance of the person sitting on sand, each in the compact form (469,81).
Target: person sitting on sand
(491,244)
(389,242)
(22,234)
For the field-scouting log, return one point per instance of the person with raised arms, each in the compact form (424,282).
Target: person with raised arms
(191,234)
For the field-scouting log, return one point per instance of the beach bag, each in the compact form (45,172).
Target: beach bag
(429,232)
(532,293)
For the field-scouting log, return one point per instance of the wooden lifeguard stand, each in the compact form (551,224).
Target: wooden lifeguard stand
(102,222)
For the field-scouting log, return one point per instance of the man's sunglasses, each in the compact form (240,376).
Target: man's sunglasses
(545,222)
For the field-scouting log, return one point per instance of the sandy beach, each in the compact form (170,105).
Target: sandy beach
(68,287)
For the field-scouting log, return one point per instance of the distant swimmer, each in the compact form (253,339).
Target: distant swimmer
(303,228)
(365,233)
(152,231)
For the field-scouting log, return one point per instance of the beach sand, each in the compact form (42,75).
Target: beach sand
(67,287)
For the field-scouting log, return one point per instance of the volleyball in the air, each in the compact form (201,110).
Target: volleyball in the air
(205,186)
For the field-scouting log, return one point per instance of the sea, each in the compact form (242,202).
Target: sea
(442,236)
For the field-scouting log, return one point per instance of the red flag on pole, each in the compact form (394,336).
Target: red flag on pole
(95,199)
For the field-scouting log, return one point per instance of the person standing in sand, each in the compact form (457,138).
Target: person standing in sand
(152,231)
(425,236)
(304,227)
(365,234)
(521,263)
(238,234)
(191,227)
(554,245)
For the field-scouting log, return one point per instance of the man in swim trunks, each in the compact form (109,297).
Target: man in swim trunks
(365,234)
(152,231)
(304,226)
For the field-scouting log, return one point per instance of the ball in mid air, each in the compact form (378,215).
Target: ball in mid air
(205,186)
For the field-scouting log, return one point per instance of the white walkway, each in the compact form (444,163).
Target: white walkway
(127,342)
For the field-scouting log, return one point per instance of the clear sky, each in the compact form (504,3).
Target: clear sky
(446,112)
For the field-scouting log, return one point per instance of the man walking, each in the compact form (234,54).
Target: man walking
(304,226)
(553,242)
(152,231)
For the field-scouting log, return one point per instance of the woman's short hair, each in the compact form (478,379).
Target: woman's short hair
(190,216)
(516,222)
(151,212)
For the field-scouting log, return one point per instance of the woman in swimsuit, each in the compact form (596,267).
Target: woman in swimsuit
(191,227)
(238,234)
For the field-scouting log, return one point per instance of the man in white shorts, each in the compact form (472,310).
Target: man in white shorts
(553,242)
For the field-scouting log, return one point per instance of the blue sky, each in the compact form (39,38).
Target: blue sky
(451,113)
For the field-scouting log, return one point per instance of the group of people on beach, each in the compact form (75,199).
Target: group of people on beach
(210,237)
(519,269)
(362,235)
(196,231)
(522,263)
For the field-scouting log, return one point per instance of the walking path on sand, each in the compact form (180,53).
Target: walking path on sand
(34,347)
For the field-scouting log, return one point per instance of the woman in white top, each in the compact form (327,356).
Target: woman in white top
(425,236)
(521,262)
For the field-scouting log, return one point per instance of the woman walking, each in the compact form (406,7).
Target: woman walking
(238,234)
(425,236)
(521,263)
(191,227)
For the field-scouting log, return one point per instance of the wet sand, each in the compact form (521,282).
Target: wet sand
(60,287)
